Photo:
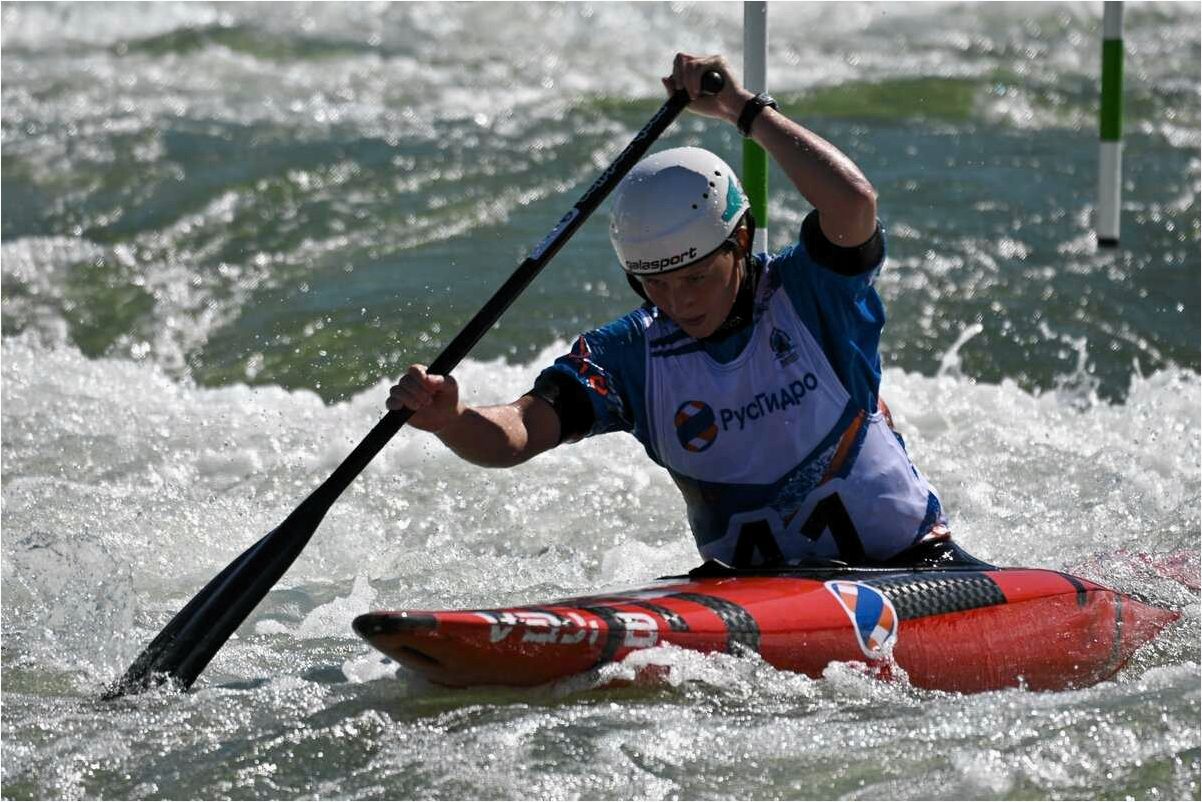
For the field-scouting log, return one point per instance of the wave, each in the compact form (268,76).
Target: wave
(124,491)
(248,40)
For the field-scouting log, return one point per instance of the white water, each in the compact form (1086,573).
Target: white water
(125,491)
(107,463)
(125,487)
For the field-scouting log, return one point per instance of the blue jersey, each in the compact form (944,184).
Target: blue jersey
(774,433)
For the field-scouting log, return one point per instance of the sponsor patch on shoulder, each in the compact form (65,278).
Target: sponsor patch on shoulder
(872,616)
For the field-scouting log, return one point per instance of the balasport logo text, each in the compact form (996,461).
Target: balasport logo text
(640,266)
(765,404)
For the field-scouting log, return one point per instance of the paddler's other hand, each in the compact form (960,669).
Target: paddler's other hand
(686,73)
(433,399)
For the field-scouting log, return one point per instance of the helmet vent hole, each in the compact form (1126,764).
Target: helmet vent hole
(712,185)
(705,195)
(694,206)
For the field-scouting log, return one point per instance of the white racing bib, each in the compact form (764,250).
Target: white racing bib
(773,458)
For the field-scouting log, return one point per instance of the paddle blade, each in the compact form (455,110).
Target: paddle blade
(189,641)
(151,668)
(186,645)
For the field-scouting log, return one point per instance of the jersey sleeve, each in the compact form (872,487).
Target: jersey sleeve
(608,364)
(832,290)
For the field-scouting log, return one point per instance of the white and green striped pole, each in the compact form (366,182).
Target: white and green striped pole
(755,78)
(1110,159)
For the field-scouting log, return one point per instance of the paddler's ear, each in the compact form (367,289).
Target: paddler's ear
(746,233)
(637,286)
(740,240)
(743,237)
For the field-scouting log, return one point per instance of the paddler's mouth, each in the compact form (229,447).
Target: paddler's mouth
(693,326)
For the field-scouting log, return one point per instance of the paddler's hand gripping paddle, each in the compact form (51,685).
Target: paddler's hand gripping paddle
(187,644)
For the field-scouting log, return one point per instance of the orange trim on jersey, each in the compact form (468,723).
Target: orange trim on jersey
(846,441)
(884,408)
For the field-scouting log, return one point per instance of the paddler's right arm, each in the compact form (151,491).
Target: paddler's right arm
(494,437)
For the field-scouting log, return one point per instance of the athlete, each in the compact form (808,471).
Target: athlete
(752,378)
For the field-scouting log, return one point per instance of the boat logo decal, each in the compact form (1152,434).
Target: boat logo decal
(639,630)
(873,618)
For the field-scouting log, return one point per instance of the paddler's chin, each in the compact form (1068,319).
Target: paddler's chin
(699,327)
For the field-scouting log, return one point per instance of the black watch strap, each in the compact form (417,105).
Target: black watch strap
(752,109)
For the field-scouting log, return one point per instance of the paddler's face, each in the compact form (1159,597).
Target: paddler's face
(698,297)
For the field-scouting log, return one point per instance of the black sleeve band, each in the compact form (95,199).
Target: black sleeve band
(569,400)
(752,109)
(844,261)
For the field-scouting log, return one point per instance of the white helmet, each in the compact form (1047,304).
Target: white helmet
(674,208)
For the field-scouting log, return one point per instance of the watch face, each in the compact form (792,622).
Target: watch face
(765,100)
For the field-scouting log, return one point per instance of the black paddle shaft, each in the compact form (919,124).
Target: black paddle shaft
(186,645)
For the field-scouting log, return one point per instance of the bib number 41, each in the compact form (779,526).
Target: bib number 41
(829,515)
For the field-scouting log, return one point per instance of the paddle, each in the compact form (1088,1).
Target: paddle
(186,645)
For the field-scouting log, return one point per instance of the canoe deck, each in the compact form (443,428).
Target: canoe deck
(963,629)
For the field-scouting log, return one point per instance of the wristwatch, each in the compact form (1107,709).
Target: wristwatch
(752,109)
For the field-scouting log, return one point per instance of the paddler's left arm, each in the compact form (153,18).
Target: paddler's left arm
(824,175)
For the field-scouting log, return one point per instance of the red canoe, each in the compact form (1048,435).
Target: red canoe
(956,629)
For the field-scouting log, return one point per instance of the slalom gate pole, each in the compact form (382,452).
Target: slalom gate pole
(755,78)
(1110,156)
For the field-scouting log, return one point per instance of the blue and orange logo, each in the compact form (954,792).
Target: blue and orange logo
(696,426)
(872,616)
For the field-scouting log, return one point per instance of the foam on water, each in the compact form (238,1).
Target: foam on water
(211,195)
(124,491)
